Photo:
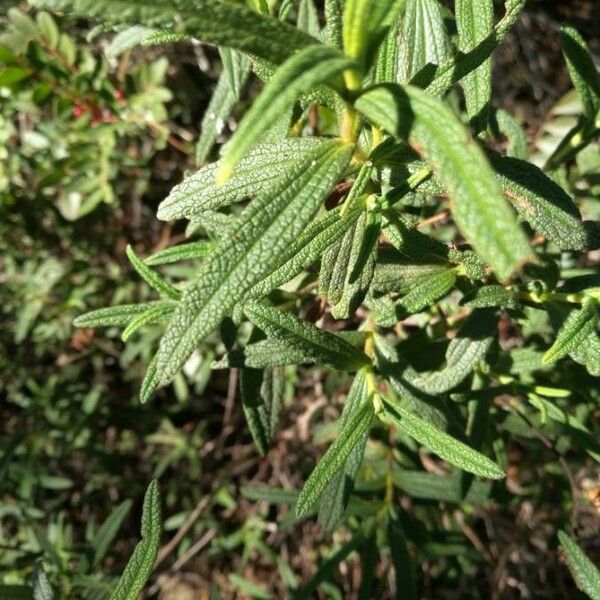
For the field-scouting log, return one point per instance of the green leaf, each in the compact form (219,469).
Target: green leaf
(470,345)
(309,67)
(364,26)
(116,316)
(585,573)
(210,21)
(578,326)
(151,381)
(404,570)
(42,590)
(425,293)
(265,353)
(105,535)
(152,278)
(337,494)
(332,34)
(588,353)
(440,443)
(322,346)
(200,193)
(397,274)
(308,18)
(140,565)
(236,67)
(339,263)
(222,101)
(475,22)
(582,70)
(491,295)
(540,201)
(333,460)
(262,397)
(250,251)
(452,71)
(309,246)
(480,211)
(263,493)
(447,488)
(512,130)
(125,40)
(156,314)
(424,40)
(192,250)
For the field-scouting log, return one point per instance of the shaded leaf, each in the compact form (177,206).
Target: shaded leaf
(250,251)
(440,443)
(479,209)
(336,456)
(585,573)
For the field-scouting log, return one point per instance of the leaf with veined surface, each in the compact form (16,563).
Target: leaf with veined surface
(478,207)
(250,251)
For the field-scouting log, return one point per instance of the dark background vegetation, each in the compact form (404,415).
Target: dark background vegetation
(75,442)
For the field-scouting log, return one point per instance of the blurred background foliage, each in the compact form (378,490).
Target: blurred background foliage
(92,137)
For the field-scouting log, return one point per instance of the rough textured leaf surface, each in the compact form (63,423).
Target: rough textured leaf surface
(324,347)
(139,567)
(333,460)
(478,207)
(585,573)
(250,251)
(440,443)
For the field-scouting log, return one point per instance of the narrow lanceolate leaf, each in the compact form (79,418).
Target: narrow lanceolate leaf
(266,163)
(107,532)
(364,26)
(514,133)
(470,345)
(152,278)
(582,70)
(403,566)
(424,39)
(332,34)
(540,201)
(193,250)
(139,568)
(475,21)
(309,246)
(210,21)
(440,443)
(265,353)
(578,326)
(322,346)
(386,67)
(311,66)
(337,494)
(236,68)
(156,314)
(453,70)
(424,294)
(308,18)
(585,573)
(262,397)
(334,459)
(340,262)
(400,275)
(251,251)
(478,207)
(117,316)
(151,381)
(42,590)
(587,353)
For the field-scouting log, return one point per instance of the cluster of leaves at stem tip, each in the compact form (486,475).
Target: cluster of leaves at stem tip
(320,201)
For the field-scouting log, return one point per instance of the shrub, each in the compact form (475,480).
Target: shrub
(363,220)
